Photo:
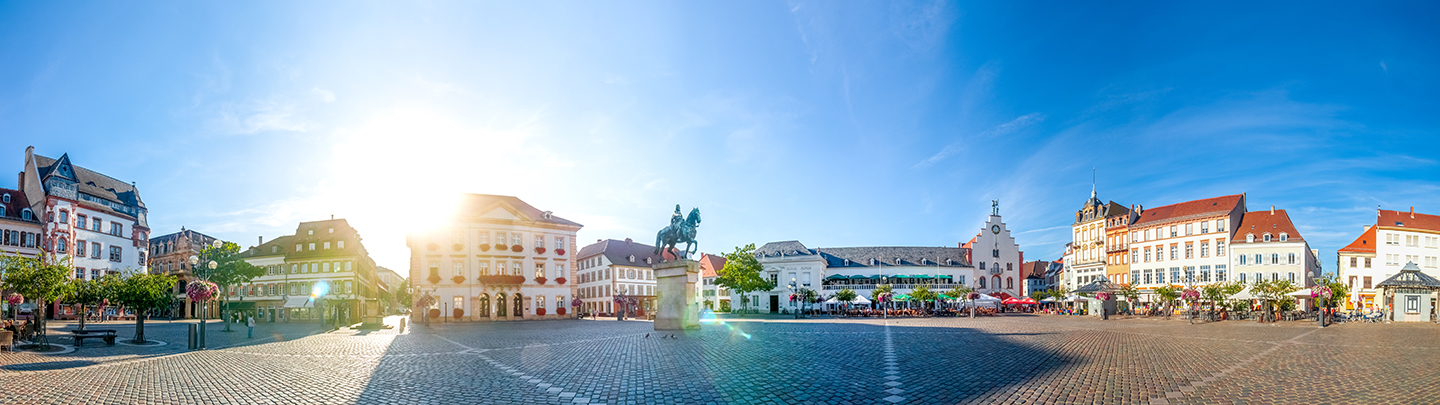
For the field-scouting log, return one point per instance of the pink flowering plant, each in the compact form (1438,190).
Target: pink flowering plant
(202,290)
(1103,296)
(15,299)
(1321,291)
(1190,294)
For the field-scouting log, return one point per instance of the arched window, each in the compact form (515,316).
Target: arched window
(539,303)
(982,281)
(1009,283)
(27,215)
(995,282)
(6,198)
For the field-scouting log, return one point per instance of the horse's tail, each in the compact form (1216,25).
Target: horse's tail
(659,238)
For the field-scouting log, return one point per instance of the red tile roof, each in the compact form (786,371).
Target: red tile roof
(710,265)
(1189,209)
(1259,222)
(1364,244)
(1408,219)
(17,203)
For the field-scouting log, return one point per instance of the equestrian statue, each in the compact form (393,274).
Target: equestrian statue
(680,230)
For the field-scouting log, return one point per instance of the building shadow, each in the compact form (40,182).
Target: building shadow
(49,365)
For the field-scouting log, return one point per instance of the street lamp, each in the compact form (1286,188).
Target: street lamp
(884,302)
(204,308)
(794,298)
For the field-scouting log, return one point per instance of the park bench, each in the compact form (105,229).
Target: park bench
(106,334)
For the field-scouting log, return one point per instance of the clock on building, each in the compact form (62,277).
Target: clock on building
(995,229)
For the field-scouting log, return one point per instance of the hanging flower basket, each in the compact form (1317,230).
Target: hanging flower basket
(484,247)
(458,279)
(457,313)
(425,301)
(1103,296)
(514,279)
(576,302)
(501,246)
(457,247)
(1321,291)
(560,310)
(560,280)
(1190,294)
(15,299)
(517,249)
(434,313)
(560,252)
(540,311)
(540,280)
(539,250)
(201,290)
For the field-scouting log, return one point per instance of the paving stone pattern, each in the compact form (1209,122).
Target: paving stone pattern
(1008,359)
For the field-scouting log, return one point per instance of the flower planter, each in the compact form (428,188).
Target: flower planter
(540,311)
(560,311)
(560,280)
(501,246)
(458,279)
(517,249)
(539,250)
(457,247)
(457,313)
(560,252)
(540,280)
(434,313)
(484,247)
(434,279)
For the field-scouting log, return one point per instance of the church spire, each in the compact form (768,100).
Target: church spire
(1092,182)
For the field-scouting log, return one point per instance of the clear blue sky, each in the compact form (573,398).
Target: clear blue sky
(835,123)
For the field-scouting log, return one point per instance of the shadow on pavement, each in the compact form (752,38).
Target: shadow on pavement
(49,365)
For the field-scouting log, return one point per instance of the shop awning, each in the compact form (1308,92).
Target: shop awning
(240,306)
(835,277)
(860,277)
(944,277)
(299,302)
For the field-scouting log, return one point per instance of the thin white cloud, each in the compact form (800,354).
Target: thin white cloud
(1002,129)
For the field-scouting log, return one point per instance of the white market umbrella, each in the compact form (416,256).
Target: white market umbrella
(1048,299)
(1075,298)
(859,300)
(1305,293)
(984,297)
(832,300)
(1244,295)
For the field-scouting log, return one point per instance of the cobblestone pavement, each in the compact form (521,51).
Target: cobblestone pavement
(1010,359)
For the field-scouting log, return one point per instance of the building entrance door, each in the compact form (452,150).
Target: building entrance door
(774,304)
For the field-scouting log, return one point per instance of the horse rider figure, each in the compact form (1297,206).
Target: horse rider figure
(676,217)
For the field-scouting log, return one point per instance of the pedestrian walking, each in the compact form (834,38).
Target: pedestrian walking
(250,326)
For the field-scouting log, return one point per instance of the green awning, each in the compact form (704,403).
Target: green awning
(946,297)
(942,276)
(923,276)
(901,297)
(860,277)
(902,276)
(835,277)
(875,277)
(240,306)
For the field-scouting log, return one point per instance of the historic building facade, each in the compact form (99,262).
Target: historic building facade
(1397,238)
(1117,243)
(497,258)
(1087,244)
(1267,246)
(96,220)
(1184,243)
(712,296)
(170,254)
(20,228)
(610,267)
(323,271)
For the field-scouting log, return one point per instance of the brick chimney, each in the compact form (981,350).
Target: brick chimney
(1412,212)
(260,240)
(1272,210)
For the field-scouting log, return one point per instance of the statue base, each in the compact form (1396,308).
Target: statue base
(675,287)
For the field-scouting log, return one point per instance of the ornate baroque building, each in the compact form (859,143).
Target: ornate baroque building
(1185,243)
(170,254)
(323,270)
(496,258)
(609,267)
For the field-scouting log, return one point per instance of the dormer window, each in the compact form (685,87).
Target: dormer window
(874,262)
(632,258)
(27,215)
(897,261)
(648,261)
(6,198)
(1284,237)
(949,262)
(847,262)
(1249,238)
(274,249)
(332,230)
(1267,236)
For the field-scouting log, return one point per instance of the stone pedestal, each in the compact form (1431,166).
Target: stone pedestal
(675,287)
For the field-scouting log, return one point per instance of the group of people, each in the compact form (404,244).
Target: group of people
(21,331)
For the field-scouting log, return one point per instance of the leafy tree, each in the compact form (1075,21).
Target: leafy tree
(742,272)
(881,291)
(1213,293)
(1273,292)
(1168,294)
(230,272)
(403,294)
(959,292)
(90,292)
(1131,294)
(845,295)
(923,293)
(143,292)
(42,278)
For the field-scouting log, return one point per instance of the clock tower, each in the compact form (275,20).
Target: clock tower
(997,258)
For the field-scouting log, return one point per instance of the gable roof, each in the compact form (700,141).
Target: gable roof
(17,204)
(619,251)
(93,183)
(275,247)
(479,204)
(710,265)
(787,248)
(1407,219)
(1035,269)
(1364,244)
(886,256)
(1189,209)
(1259,223)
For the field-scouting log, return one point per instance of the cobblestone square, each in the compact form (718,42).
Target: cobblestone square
(1006,359)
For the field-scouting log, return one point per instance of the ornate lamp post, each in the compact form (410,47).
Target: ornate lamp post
(204,308)
(794,299)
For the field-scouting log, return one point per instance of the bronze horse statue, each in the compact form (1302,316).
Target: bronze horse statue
(677,233)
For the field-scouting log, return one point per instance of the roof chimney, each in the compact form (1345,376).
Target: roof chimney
(1272,210)
(1412,212)
(627,240)
(20,184)
(261,240)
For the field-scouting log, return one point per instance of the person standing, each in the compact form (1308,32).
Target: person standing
(250,327)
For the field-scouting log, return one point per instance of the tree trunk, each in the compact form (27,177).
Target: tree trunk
(82,317)
(40,323)
(139,328)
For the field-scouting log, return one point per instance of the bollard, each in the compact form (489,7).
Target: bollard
(192,336)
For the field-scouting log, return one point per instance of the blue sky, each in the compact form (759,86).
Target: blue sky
(834,123)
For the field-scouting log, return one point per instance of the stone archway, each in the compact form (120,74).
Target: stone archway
(519,309)
(500,305)
(484,307)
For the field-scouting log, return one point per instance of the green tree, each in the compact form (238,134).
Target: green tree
(845,295)
(742,272)
(1131,294)
(403,294)
(881,291)
(1213,293)
(42,279)
(1273,292)
(230,272)
(90,293)
(143,292)
(1168,295)
(924,294)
